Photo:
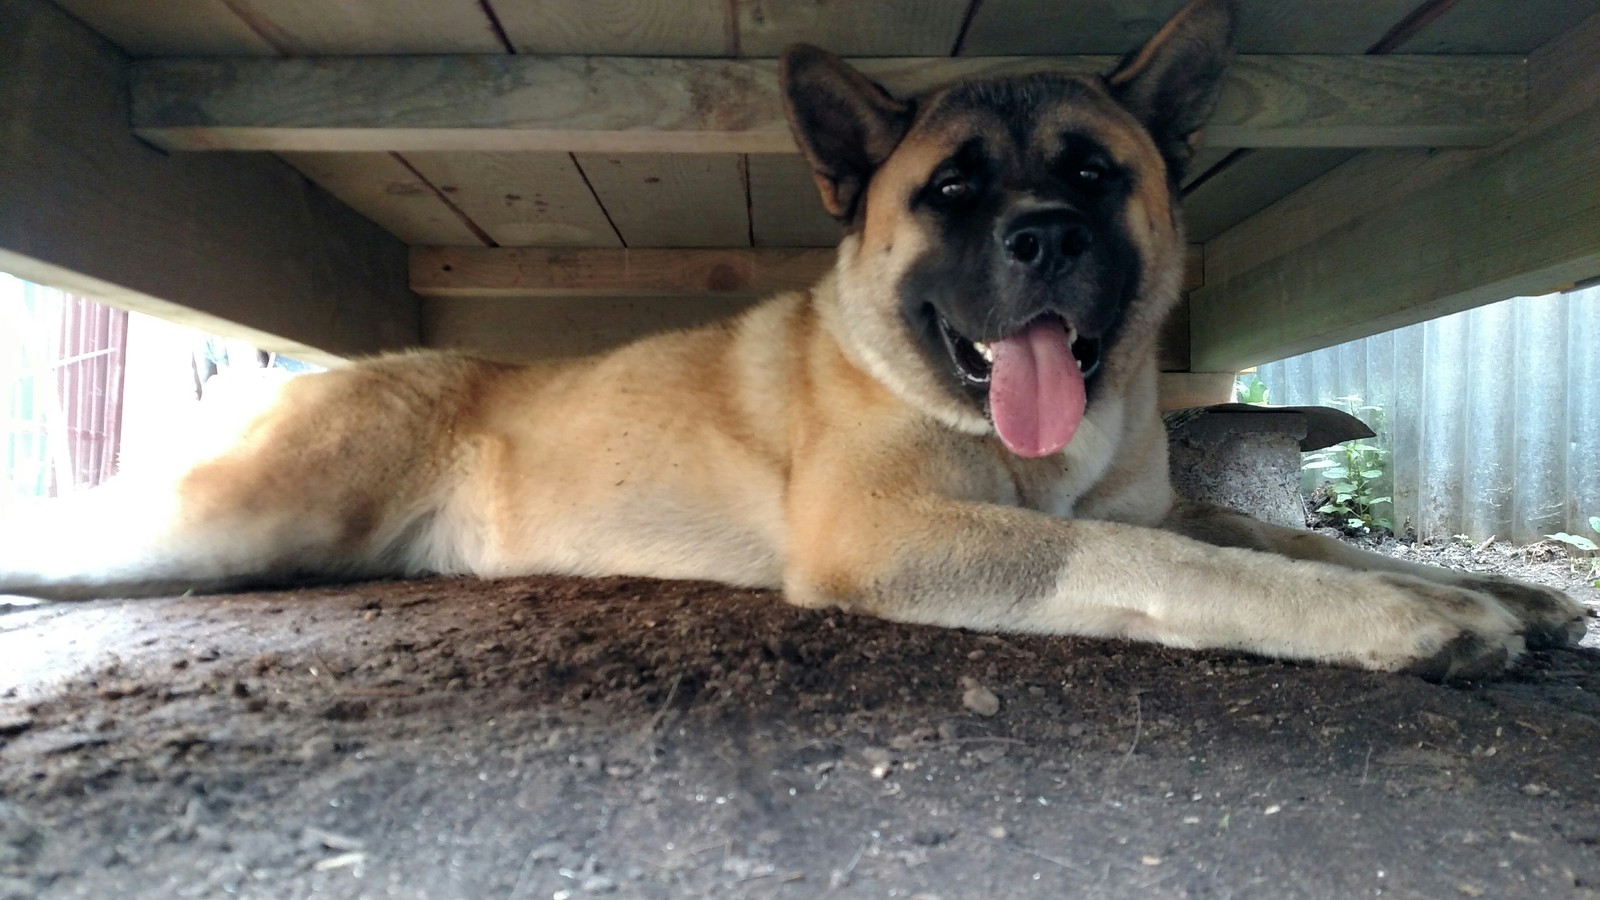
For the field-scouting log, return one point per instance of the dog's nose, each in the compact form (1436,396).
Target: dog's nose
(1048,241)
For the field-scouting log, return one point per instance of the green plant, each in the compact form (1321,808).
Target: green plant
(1583,547)
(1349,478)
(1250,389)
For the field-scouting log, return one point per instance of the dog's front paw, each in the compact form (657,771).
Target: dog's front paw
(1549,617)
(1446,632)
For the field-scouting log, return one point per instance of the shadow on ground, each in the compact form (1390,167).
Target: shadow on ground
(552,738)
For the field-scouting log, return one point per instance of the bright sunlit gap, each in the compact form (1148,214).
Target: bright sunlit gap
(90,391)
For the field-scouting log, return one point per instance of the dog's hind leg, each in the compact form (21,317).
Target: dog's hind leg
(339,480)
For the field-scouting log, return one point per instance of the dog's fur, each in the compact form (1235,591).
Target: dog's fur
(825,442)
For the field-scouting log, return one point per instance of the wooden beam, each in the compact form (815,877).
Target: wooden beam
(1181,390)
(1524,222)
(542,272)
(598,272)
(517,329)
(1397,237)
(240,246)
(647,105)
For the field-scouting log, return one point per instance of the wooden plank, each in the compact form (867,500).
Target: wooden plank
(1204,158)
(678,200)
(633,105)
(171,27)
(520,199)
(1252,184)
(246,241)
(537,272)
(1563,82)
(784,208)
(1496,28)
(524,330)
(880,28)
(322,28)
(519,329)
(1021,27)
(542,272)
(380,187)
(290,27)
(1562,76)
(1522,221)
(619,27)
(1172,346)
(1182,390)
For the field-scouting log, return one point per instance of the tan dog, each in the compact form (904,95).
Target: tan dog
(957,426)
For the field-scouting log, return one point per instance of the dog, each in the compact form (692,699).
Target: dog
(956,426)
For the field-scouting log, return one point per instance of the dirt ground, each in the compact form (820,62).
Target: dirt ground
(557,738)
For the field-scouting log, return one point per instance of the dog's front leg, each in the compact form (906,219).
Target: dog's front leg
(983,566)
(1549,617)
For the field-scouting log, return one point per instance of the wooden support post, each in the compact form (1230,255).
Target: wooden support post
(243,246)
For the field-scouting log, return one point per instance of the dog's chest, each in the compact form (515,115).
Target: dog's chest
(1055,484)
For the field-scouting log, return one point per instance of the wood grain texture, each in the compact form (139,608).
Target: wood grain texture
(1183,390)
(659,200)
(520,329)
(877,28)
(633,105)
(531,272)
(619,27)
(1252,184)
(240,245)
(1204,158)
(290,27)
(784,208)
(520,199)
(539,272)
(1172,354)
(329,27)
(1394,237)
(1563,78)
(1307,101)
(1562,84)
(172,27)
(382,189)
(1522,221)
(1521,27)
(1021,27)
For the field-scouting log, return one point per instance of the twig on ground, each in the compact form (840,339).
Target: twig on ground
(665,704)
(1027,851)
(1138,727)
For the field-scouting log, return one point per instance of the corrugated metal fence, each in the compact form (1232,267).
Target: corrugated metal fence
(1492,415)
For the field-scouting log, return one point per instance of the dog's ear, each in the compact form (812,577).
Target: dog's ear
(1171,84)
(846,125)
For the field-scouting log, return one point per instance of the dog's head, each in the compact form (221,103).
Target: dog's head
(1011,244)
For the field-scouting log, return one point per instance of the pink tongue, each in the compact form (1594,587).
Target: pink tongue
(1036,390)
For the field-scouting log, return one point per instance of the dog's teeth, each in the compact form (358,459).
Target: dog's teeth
(1072,335)
(1079,362)
(984,350)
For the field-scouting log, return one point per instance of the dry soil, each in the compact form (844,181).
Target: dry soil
(550,738)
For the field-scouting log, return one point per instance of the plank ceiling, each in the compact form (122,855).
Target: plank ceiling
(734,200)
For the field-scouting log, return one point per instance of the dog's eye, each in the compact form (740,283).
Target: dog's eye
(952,188)
(1092,173)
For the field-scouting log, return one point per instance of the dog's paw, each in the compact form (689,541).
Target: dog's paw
(1549,617)
(1446,632)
